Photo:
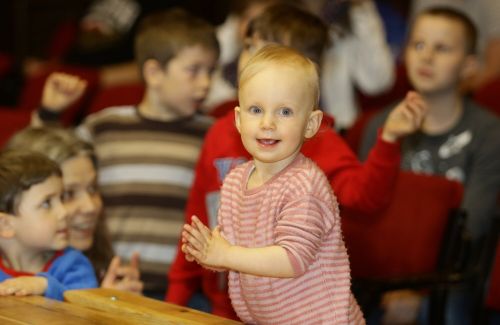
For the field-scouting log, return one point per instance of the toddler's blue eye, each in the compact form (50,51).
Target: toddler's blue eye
(285,111)
(255,110)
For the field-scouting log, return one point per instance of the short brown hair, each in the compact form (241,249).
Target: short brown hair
(19,170)
(283,56)
(292,26)
(162,35)
(455,15)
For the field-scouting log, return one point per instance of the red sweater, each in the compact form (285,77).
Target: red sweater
(361,187)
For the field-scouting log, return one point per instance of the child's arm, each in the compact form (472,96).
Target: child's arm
(405,118)
(210,249)
(24,286)
(123,277)
(71,271)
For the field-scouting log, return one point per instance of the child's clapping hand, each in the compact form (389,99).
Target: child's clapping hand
(204,246)
(24,286)
(405,118)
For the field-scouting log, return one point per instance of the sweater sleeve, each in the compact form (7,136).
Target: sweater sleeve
(361,187)
(301,228)
(72,270)
(371,62)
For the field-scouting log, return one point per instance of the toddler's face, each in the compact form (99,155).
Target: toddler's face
(40,223)
(276,105)
(186,80)
(436,54)
(82,200)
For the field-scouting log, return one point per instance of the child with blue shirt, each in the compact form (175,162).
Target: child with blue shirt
(35,259)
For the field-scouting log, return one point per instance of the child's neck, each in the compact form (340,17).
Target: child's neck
(265,171)
(25,261)
(151,108)
(445,110)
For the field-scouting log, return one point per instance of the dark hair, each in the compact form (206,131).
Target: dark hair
(455,15)
(162,35)
(19,170)
(292,26)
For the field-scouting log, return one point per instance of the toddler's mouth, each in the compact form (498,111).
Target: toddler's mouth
(267,142)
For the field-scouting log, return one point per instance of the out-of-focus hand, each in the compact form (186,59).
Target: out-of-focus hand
(61,90)
(405,118)
(24,286)
(122,276)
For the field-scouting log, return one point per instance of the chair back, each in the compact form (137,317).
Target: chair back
(409,237)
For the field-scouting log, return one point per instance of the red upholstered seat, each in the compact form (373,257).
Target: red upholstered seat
(11,121)
(406,238)
(116,96)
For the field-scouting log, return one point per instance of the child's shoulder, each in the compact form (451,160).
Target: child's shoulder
(112,113)
(70,256)
(306,174)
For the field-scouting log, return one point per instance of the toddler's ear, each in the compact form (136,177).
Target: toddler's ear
(313,123)
(6,226)
(237,121)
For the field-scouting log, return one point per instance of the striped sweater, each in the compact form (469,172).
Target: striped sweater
(297,210)
(145,171)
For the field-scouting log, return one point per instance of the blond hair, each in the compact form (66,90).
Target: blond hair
(284,56)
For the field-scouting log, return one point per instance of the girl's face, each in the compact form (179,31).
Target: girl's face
(82,200)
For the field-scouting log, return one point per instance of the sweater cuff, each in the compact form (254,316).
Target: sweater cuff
(388,150)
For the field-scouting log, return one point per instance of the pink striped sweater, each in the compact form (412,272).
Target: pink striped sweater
(297,210)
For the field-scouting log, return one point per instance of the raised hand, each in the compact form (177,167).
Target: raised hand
(24,286)
(123,277)
(405,118)
(61,90)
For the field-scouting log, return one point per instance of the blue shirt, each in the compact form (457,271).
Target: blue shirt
(70,269)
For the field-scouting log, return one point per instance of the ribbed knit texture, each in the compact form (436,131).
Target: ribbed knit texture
(297,210)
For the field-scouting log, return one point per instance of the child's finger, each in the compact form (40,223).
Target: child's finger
(204,230)
(193,236)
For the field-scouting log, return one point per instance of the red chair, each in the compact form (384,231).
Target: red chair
(11,121)
(493,298)
(489,96)
(406,238)
(414,243)
(115,96)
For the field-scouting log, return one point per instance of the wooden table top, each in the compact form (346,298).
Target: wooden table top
(100,306)
(139,309)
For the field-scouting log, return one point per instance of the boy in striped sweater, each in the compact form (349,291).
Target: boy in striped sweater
(279,229)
